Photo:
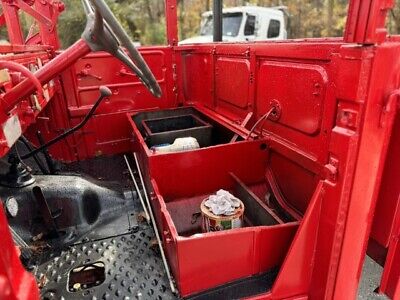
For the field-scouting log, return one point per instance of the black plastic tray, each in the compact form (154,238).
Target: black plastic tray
(165,130)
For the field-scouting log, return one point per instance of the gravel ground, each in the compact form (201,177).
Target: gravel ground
(371,276)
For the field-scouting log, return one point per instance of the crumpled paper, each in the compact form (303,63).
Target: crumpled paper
(222,203)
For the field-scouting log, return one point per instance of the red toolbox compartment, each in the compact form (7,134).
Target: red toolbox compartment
(204,260)
(178,182)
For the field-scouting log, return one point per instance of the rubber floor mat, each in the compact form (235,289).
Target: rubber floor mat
(133,270)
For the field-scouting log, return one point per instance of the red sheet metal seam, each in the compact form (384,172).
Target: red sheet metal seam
(344,205)
(383,135)
(292,267)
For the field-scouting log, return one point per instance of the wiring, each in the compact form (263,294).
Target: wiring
(262,119)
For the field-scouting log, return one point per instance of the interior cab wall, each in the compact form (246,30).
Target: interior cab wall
(330,94)
(108,131)
(238,81)
(330,100)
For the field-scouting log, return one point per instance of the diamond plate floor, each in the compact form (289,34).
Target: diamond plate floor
(133,270)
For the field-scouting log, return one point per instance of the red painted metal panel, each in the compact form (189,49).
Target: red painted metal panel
(343,147)
(388,205)
(295,275)
(171,13)
(386,226)
(301,95)
(296,183)
(15,282)
(81,84)
(207,262)
(199,90)
(344,150)
(234,92)
(271,245)
(380,111)
(238,158)
(306,107)
(343,142)
(390,283)
(91,73)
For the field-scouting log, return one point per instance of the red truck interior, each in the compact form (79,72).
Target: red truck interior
(304,132)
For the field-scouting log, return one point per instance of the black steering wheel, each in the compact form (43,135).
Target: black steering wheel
(103,32)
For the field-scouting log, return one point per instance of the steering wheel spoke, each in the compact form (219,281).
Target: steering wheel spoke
(103,32)
(87,7)
(122,56)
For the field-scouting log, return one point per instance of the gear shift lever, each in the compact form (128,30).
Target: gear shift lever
(104,92)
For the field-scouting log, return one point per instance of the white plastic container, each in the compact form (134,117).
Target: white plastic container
(179,145)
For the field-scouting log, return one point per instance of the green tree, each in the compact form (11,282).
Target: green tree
(144,20)
(393,22)
(308,18)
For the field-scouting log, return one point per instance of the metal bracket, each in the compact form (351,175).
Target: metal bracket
(125,72)
(26,7)
(277,112)
(85,72)
(47,214)
(331,170)
(348,118)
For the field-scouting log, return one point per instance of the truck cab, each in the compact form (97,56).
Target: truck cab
(223,170)
(244,23)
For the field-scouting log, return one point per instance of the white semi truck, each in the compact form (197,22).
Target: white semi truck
(244,23)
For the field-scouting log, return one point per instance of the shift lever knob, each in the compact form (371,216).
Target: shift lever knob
(105,91)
